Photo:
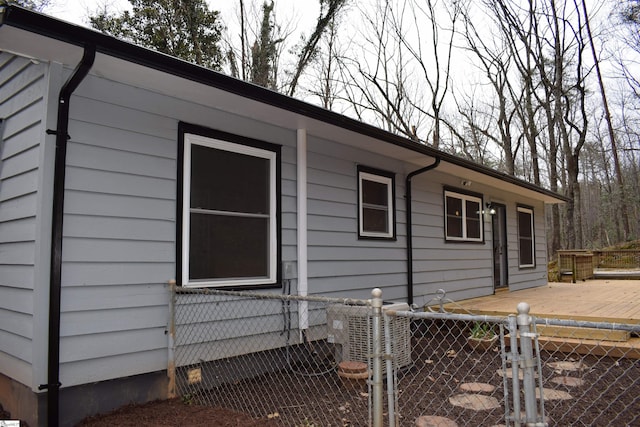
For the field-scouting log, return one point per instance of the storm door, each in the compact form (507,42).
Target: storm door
(499,231)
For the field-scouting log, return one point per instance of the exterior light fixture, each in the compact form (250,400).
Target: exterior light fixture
(490,209)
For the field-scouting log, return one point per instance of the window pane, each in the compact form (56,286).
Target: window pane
(454,226)
(228,247)
(454,206)
(454,217)
(227,181)
(374,193)
(525,237)
(375,220)
(526,251)
(473,219)
(524,224)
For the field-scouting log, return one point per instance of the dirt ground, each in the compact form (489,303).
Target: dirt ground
(592,407)
(168,413)
(172,413)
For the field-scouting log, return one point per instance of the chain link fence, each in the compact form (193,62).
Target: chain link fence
(270,356)
(314,361)
(590,372)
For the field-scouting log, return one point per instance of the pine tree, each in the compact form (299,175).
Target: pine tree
(186,29)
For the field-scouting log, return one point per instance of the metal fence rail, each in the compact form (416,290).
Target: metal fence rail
(342,362)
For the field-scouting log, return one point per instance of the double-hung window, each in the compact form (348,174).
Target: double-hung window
(230,227)
(463,217)
(376,208)
(526,241)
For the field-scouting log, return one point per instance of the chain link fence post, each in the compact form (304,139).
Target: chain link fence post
(528,363)
(376,306)
(171,344)
(390,371)
(515,378)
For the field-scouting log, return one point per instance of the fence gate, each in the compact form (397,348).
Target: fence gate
(466,369)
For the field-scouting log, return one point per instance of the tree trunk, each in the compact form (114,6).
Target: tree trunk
(612,138)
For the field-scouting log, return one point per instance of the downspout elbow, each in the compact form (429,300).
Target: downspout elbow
(409,224)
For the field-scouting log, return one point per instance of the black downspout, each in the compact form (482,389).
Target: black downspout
(55,280)
(409,222)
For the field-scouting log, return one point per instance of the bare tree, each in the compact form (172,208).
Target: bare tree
(628,12)
(433,59)
(262,39)
(324,68)
(376,83)
(329,10)
(495,61)
(610,131)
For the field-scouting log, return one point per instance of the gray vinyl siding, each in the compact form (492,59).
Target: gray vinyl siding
(119,236)
(522,278)
(23,88)
(119,248)
(341,265)
(462,269)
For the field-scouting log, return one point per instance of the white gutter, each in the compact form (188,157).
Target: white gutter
(303,285)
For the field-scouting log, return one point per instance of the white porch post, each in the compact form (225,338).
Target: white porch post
(302,227)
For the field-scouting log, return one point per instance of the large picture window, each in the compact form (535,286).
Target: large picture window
(229,213)
(463,217)
(376,208)
(526,242)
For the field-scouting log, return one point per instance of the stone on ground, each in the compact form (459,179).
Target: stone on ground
(434,421)
(476,402)
(477,387)
(568,381)
(567,366)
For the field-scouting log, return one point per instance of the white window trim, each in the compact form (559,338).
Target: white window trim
(271,278)
(388,181)
(533,238)
(464,198)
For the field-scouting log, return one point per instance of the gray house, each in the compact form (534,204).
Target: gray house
(122,169)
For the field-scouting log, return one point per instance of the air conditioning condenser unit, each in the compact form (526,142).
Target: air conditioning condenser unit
(351,328)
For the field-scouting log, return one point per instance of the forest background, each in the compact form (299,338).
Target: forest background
(544,90)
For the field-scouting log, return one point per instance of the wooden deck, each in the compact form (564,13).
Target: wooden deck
(594,300)
(614,301)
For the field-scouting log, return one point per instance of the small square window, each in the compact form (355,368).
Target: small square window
(376,207)
(463,217)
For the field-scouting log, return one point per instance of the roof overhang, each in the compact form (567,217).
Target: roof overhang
(44,38)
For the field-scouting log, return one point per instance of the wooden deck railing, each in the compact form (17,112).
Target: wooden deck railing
(576,263)
(619,260)
(580,264)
